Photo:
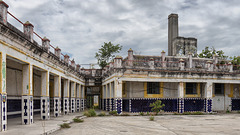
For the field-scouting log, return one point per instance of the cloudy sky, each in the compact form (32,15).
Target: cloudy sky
(80,27)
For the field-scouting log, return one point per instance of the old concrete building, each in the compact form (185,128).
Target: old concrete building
(36,81)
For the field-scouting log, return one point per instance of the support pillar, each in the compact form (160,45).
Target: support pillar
(45,106)
(57,95)
(78,97)
(118,96)
(208,96)
(82,98)
(3,93)
(27,95)
(180,97)
(66,97)
(73,86)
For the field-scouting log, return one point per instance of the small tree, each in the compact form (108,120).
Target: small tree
(157,106)
(209,52)
(106,53)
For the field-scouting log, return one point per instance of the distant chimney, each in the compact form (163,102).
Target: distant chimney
(46,44)
(172,31)
(28,30)
(3,12)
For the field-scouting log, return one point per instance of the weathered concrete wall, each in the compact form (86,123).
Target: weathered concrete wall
(14,82)
(135,89)
(170,90)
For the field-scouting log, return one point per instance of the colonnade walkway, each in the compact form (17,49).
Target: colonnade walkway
(39,126)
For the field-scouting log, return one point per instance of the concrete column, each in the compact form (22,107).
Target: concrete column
(151,63)
(27,95)
(78,97)
(208,95)
(3,12)
(230,67)
(57,52)
(73,64)
(28,30)
(104,96)
(46,44)
(118,95)
(73,97)
(181,64)
(45,106)
(66,97)
(66,59)
(3,92)
(190,60)
(107,97)
(181,97)
(110,96)
(118,62)
(209,66)
(130,57)
(113,107)
(215,61)
(57,95)
(163,54)
(82,97)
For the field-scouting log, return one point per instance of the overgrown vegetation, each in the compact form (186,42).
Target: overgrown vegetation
(102,114)
(113,113)
(151,118)
(141,113)
(65,125)
(77,120)
(210,52)
(90,113)
(106,53)
(157,106)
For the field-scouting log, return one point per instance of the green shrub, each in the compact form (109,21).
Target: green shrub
(102,114)
(65,125)
(95,107)
(90,113)
(148,114)
(156,106)
(113,113)
(141,113)
(151,118)
(77,120)
(228,111)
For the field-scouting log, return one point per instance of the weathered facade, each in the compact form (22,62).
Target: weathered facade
(34,80)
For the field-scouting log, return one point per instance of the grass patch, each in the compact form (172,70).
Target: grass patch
(113,113)
(151,118)
(77,120)
(102,114)
(90,113)
(65,125)
(228,111)
(190,113)
(125,114)
(141,113)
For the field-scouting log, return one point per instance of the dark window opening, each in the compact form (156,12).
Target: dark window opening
(153,88)
(219,88)
(191,88)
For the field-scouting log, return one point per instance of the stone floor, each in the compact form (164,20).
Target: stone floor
(14,126)
(164,125)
